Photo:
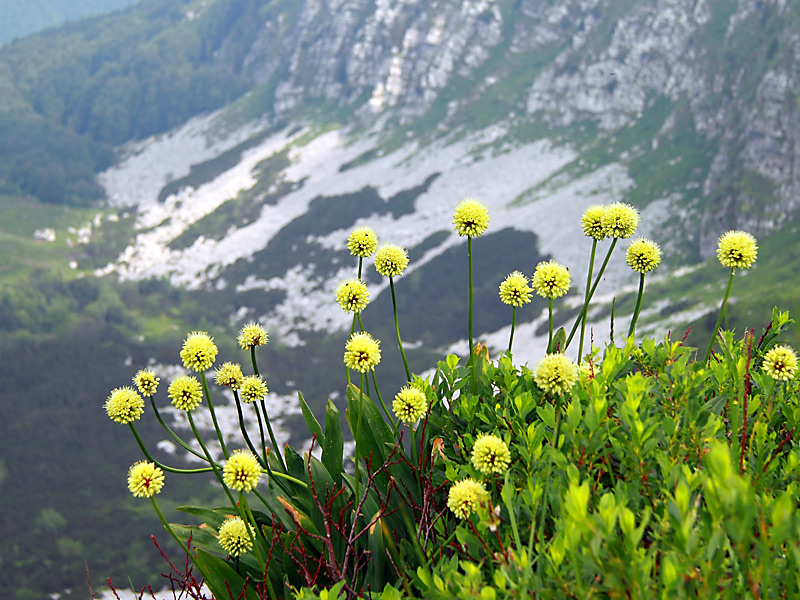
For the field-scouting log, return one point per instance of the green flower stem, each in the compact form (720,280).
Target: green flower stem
(288,477)
(247,516)
(469,324)
(360,264)
(513,324)
(166,525)
(261,431)
(272,435)
(719,318)
(266,416)
(243,429)
(265,502)
(162,466)
(586,297)
(171,433)
(209,459)
(585,310)
(638,307)
(550,321)
(213,415)
(397,331)
(356,472)
(383,406)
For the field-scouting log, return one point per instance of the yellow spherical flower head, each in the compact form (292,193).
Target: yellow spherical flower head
(146,382)
(235,536)
(643,255)
(514,290)
(737,250)
(620,220)
(229,375)
(551,279)
(362,242)
(252,335)
(556,374)
(352,295)
(410,404)
(145,479)
(253,388)
(465,496)
(241,471)
(780,363)
(362,352)
(471,218)
(124,405)
(490,454)
(185,392)
(592,222)
(199,351)
(391,260)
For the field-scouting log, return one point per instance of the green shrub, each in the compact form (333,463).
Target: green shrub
(638,472)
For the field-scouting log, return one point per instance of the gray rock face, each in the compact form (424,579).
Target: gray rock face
(729,70)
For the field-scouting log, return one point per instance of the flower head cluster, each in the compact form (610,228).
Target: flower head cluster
(737,250)
(471,218)
(514,290)
(185,392)
(241,471)
(643,255)
(124,405)
(235,536)
(620,220)
(199,351)
(551,279)
(410,404)
(229,375)
(145,479)
(146,382)
(362,352)
(362,242)
(465,496)
(780,363)
(556,374)
(252,335)
(253,389)
(391,260)
(490,454)
(592,222)
(352,295)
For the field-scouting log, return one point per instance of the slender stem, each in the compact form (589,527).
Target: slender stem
(253,360)
(360,264)
(719,318)
(162,466)
(585,310)
(638,307)
(261,431)
(214,465)
(244,429)
(288,477)
(586,297)
(513,324)
(166,525)
(383,406)
(469,255)
(247,514)
(356,472)
(171,433)
(397,330)
(550,321)
(272,434)
(213,415)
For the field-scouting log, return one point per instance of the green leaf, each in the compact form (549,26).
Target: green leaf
(220,576)
(333,445)
(313,425)
(559,341)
